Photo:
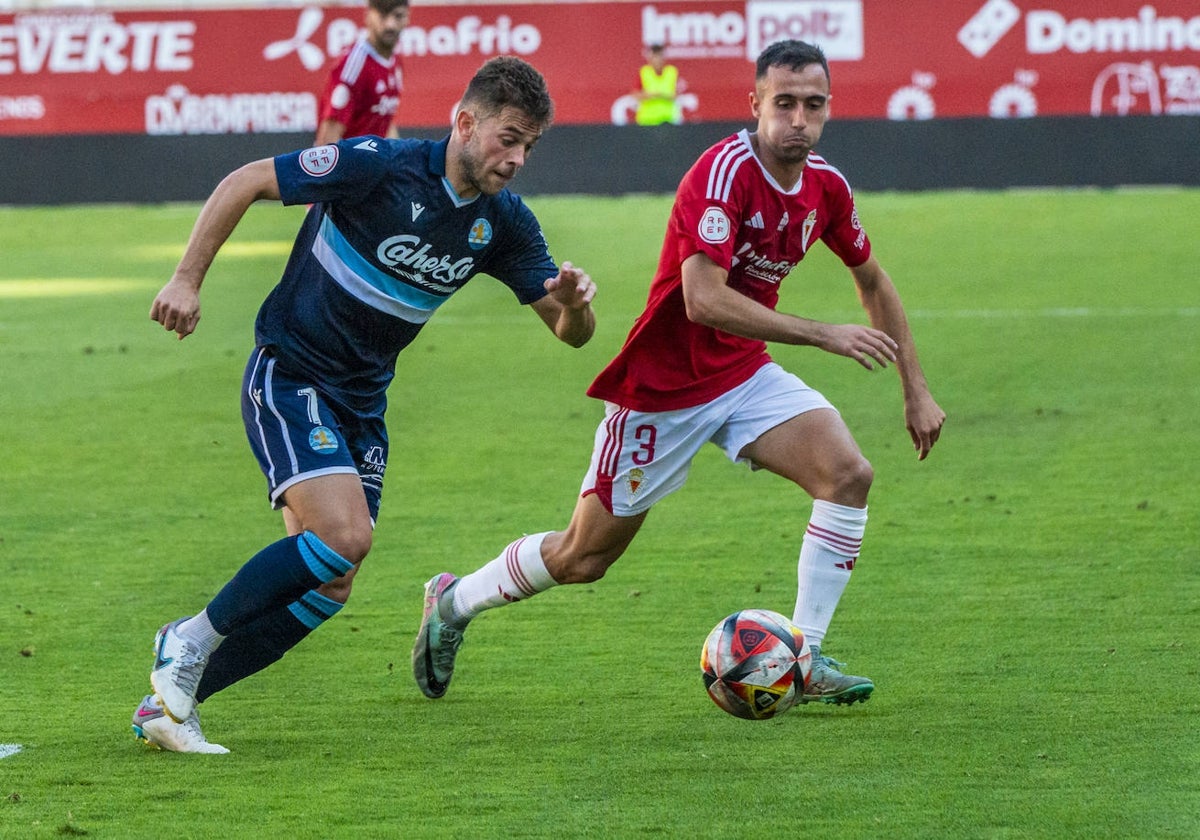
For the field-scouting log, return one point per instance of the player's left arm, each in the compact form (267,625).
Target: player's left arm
(922,415)
(567,309)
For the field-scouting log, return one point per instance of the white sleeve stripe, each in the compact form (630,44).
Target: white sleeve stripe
(725,167)
(354,64)
(712,172)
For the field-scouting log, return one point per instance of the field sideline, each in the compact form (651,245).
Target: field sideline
(1027,601)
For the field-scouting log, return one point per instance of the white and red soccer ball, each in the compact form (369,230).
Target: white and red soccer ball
(755,664)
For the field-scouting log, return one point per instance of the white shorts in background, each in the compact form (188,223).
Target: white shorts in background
(640,458)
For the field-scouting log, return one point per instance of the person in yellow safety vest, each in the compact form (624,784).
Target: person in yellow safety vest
(658,85)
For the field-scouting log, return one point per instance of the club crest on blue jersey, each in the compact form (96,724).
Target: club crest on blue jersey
(322,439)
(480,234)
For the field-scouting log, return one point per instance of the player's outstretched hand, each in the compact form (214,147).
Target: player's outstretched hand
(924,419)
(177,307)
(867,346)
(572,287)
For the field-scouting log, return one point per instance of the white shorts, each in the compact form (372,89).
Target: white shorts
(642,457)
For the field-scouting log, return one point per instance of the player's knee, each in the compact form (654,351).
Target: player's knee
(853,482)
(352,543)
(338,589)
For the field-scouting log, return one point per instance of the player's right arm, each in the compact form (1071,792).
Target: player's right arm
(709,300)
(177,306)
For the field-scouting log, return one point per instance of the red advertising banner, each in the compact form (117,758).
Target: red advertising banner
(260,70)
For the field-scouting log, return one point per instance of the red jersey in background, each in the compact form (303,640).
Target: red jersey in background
(363,91)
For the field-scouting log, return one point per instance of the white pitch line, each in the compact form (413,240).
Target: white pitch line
(9,749)
(1062,312)
(964,314)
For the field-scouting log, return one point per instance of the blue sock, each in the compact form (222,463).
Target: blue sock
(277,575)
(264,641)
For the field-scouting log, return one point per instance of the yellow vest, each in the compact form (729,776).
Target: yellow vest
(660,108)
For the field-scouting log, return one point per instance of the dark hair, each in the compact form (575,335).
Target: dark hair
(794,55)
(508,81)
(386,7)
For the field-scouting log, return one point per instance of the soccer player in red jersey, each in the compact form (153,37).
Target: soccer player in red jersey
(695,369)
(363,90)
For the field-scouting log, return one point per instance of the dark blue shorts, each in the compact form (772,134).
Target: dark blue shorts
(298,432)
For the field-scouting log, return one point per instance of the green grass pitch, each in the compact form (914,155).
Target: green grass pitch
(1027,601)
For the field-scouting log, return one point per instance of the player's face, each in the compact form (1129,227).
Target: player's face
(496,148)
(791,107)
(383,31)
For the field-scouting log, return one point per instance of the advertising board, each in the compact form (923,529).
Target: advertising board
(259,70)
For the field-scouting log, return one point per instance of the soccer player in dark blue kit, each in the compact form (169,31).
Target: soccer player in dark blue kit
(395,228)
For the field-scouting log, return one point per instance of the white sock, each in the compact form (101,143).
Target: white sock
(199,629)
(831,545)
(518,573)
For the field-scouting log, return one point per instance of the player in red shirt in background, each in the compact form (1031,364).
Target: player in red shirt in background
(695,369)
(364,86)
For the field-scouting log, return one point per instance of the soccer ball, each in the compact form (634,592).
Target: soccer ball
(755,664)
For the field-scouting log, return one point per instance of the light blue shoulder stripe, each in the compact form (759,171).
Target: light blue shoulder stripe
(367,283)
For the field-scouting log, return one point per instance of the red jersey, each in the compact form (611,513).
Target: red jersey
(730,209)
(363,91)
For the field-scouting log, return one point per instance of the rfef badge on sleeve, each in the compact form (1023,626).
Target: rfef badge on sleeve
(714,226)
(319,161)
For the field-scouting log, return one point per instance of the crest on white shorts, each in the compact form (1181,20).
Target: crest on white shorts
(634,480)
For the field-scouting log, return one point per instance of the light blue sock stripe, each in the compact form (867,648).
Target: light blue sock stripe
(313,609)
(325,563)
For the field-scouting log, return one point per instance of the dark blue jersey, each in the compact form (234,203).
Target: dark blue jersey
(386,242)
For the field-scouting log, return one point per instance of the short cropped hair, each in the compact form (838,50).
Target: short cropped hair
(386,7)
(791,54)
(507,81)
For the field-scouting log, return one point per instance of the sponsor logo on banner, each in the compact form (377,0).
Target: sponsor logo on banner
(1016,99)
(1049,31)
(22,108)
(93,42)
(985,29)
(310,55)
(695,34)
(914,102)
(181,112)
(469,34)
(836,25)
(1126,88)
